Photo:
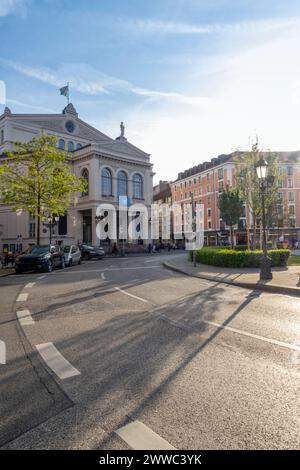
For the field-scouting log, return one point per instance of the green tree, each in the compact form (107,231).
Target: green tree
(249,184)
(36,177)
(231,208)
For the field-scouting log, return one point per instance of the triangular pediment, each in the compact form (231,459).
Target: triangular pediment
(56,123)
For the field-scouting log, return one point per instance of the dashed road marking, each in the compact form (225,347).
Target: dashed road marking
(29,285)
(25,317)
(130,295)
(103,276)
(22,297)
(56,361)
(139,437)
(41,277)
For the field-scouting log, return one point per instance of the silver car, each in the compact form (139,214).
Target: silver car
(72,254)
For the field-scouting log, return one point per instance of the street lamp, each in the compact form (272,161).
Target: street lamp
(52,220)
(261,168)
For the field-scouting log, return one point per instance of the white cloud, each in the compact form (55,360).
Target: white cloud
(253,92)
(86,79)
(8,7)
(253,88)
(153,26)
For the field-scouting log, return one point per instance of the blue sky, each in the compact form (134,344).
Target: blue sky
(190,78)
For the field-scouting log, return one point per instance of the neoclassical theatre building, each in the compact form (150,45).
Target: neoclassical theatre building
(114,168)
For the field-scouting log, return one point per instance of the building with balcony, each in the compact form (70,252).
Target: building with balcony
(204,183)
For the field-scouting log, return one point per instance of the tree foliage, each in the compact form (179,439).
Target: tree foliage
(231,207)
(36,177)
(249,184)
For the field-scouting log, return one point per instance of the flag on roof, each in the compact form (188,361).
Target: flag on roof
(64,90)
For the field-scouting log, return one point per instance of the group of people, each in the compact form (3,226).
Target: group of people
(157,247)
(7,259)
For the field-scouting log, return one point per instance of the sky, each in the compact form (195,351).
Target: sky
(191,79)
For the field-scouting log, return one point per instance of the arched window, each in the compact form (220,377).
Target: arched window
(85,176)
(61,144)
(137,186)
(78,146)
(106,182)
(122,183)
(70,146)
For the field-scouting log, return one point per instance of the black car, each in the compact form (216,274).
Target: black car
(89,252)
(40,258)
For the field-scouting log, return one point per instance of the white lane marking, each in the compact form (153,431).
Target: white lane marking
(130,295)
(29,285)
(56,361)
(136,267)
(140,437)
(25,317)
(252,335)
(102,276)
(181,325)
(22,297)
(41,277)
(56,273)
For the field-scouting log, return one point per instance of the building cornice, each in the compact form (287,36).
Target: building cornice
(86,153)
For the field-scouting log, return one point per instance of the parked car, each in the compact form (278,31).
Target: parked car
(40,258)
(89,252)
(72,255)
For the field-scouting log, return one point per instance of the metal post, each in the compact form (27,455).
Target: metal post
(50,226)
(265,271)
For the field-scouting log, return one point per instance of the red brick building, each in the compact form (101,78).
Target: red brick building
(207,180)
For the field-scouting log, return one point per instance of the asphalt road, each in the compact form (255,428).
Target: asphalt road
(203,365)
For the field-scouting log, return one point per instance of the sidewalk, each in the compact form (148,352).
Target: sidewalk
(285,280)
(6,271)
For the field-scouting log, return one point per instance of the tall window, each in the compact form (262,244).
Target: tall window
(137,186)
(106,182)
(78,146)
(85,176)
(31,227)
(61,144)
(70,146)
(122,183)
(2,136)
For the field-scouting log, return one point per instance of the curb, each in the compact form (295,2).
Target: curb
(276,289)
(6,274)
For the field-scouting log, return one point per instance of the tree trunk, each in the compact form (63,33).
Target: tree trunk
(254,234)
(248,237)
(231,235)
(260,237)
(37,230)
